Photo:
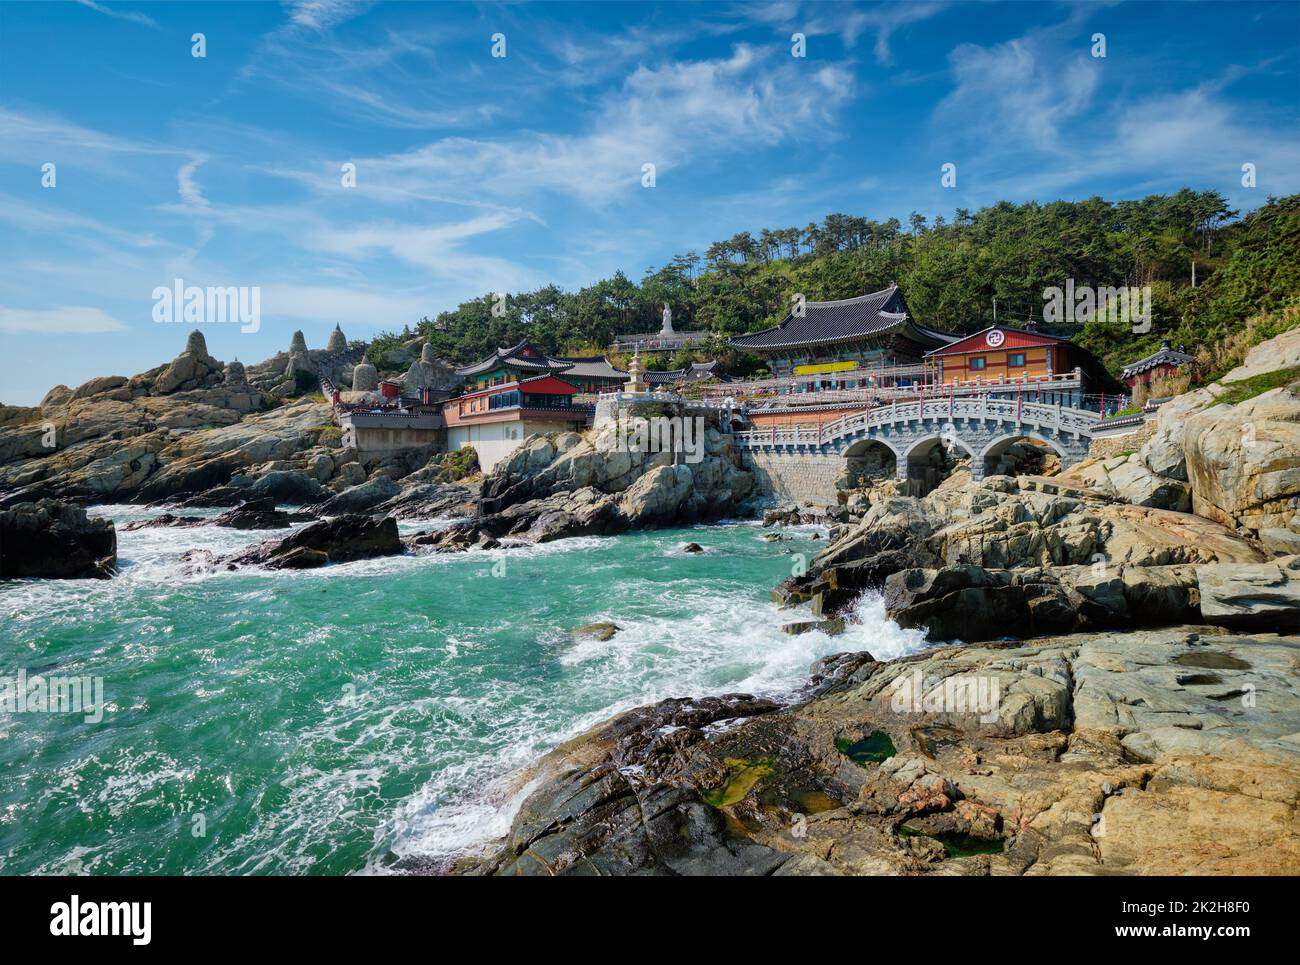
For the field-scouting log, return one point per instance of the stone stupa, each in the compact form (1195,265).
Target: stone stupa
(338,341)
(427,372)
(365,377)
(634,371)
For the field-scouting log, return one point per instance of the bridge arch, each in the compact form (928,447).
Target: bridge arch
(870,457)
(992,454)
(919,462)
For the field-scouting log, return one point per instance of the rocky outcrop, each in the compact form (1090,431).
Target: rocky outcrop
(601,460)
(428,372)
(429,501)
(1260,596)
(1151,752)
(1004,524)
(1281,352)
(55,540)
(281,485)
(565,485)
(1243,462)
(359,499)
(192,369)
(254,514)
(338,540)
(172,433)
(1129,478)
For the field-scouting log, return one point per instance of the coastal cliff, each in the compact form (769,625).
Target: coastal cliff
(1133,707)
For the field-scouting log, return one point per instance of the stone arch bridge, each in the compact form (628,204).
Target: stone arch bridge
(803,463)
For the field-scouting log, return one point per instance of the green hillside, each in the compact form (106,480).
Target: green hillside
(951,272)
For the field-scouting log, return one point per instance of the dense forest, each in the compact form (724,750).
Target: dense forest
(952,273)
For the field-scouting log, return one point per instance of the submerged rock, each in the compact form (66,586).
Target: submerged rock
(596,631)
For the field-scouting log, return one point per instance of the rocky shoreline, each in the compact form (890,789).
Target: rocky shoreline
(1105,754)
(1124,698)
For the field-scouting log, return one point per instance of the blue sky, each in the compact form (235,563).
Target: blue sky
(478,174)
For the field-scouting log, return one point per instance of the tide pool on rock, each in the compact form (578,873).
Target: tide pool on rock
(341,719)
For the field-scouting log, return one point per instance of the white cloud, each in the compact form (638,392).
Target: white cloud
(130,15)
(668,116)
(65,320)
(189,190)
(323,14)
(1019,89)
(1026,119)
(43,136)
(848,21)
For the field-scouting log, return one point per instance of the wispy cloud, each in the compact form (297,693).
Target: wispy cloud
(1019,89)
(323,14)
(130,15)
(1026,118)
(848,21)
(65,320)
(669,116)
(188,188)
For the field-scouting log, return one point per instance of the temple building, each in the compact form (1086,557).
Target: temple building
(593,374)
(508,365)
(999,355)
(495,420)
(695,372)
(520,391)
(1161,363)
(829,342)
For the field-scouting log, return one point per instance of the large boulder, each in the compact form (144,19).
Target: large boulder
(1163,452)
(192,369)
(57,541)
(658,495)
(1243,462)
(1131,479)
(282,485)
(359,499)
(337,540)
(99,385)
(1281,352)
(1251,596)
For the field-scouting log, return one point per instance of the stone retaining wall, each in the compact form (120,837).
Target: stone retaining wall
(796,477)
(1108,446)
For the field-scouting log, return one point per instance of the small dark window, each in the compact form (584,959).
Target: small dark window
(1016,360)
(977,363)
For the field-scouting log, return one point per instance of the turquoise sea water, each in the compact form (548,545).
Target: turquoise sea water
(335,721)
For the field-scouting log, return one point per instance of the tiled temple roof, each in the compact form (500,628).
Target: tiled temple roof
(541,362)
(1164,356)
(698,372)
(592,367)
(823,323)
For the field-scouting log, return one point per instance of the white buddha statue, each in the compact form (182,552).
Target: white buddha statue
(668,321)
